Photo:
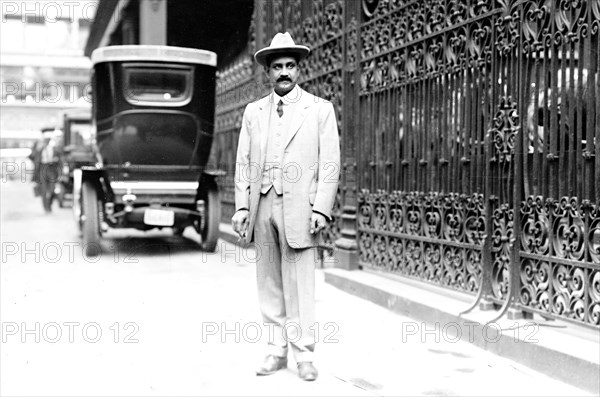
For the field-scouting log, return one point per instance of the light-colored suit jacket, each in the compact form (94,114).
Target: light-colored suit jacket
(310,164)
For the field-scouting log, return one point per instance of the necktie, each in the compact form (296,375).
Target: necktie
(280,108)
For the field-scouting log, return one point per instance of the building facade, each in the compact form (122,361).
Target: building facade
(470,134)
(42,67)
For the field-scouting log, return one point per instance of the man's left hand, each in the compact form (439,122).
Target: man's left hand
(317,223)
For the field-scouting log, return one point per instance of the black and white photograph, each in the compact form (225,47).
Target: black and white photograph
(300,198)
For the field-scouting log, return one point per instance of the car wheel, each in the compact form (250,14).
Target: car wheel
(210,232)
(91,221)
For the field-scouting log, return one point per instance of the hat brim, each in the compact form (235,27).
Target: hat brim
(299,50)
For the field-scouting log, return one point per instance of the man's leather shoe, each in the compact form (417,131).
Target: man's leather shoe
(271,365)
(307,371)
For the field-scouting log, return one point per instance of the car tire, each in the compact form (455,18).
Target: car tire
(91,221)
(210,233)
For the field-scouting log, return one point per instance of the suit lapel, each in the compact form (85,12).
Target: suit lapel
(299,116)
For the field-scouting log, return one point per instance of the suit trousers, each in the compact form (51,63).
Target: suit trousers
(286,283)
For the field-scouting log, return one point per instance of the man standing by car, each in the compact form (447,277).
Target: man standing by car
(49,166)
(287,172)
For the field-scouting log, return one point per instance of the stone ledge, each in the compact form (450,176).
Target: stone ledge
(557,349)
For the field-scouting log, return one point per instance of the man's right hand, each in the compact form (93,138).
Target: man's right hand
(239,221)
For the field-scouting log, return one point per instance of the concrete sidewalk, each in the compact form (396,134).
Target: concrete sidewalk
(415,348)
(562,351)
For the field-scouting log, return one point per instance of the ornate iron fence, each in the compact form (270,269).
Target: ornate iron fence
(470,139)
(481,171)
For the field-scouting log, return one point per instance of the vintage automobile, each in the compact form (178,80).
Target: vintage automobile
(153,110)
(77,149)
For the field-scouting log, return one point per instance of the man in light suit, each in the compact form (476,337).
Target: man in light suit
(287,172)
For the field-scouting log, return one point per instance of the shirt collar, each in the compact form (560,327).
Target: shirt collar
(290,98)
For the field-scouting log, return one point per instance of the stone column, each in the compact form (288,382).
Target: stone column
(346,248)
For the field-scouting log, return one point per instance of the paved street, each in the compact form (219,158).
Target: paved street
(148,318)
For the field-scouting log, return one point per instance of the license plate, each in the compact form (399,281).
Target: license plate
(159,217)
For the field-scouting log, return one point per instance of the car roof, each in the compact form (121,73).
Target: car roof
(153,53)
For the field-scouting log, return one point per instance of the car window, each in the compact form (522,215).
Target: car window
(157,85)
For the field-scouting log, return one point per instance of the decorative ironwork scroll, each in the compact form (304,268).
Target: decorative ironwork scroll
(560,245)
(506,126)
(502,236)
(432,237)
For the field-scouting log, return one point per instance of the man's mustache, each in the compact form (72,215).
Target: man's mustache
(284,79)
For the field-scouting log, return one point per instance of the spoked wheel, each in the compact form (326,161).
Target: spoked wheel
(90,220)
(210,231)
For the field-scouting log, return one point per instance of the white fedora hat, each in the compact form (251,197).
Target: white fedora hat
(282,43)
